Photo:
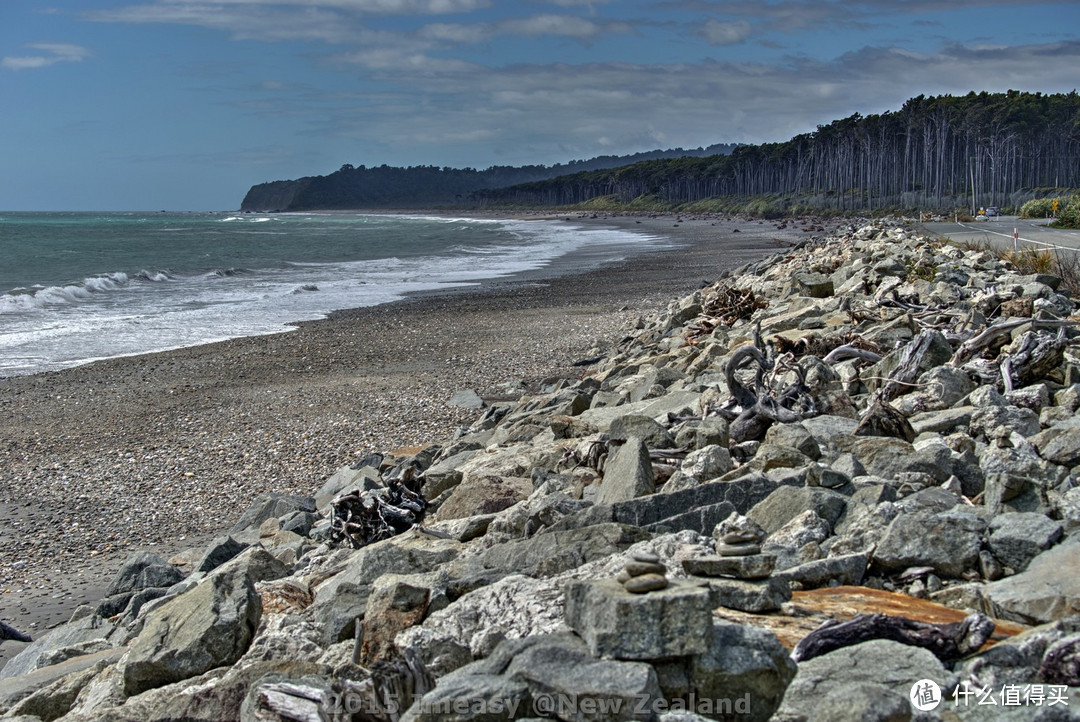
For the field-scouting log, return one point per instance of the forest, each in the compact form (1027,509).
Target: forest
(352,187)
(935,153)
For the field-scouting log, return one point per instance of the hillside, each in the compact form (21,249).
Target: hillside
(935,152)
(385,186)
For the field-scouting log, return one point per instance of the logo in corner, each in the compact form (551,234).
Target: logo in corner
(925,695)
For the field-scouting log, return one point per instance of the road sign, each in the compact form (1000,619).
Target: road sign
(1016,238)
(1054,205)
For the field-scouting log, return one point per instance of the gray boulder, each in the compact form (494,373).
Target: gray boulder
(947,541)
(143,570)
(1060,444)
(742,662)
(885,666)
(1047,591)
(671,622)
(341,599)
(641,427)
(628,474)
(1018,537)
(271,506)
(208,626)
(786,503)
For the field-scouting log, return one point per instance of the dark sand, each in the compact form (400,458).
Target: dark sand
(162,451)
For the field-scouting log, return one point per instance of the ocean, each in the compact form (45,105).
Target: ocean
(77,287)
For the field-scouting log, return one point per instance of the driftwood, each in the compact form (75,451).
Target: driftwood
(363,517)
(983,339)
(947,642)
(384,697)
(908,369)
(1035,356)
(12,634)
(840,353)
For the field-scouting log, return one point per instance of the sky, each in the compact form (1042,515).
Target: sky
(184,104)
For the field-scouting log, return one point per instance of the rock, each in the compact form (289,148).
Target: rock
(948,542)
(858,702)
(55,681)
(483,494)
(59,644)
(346,479)
(757,566)
(843,570)
(143,570)
(888,458)
(219,551)
(1059,444)
(786,503)
(270,506)
(670,622)
(741,549)
(651,433)
(948,384)
(635,568)
(986,421)
(525,674)
(942,422)
(445,474)
(208,626)
(707,463)
(466,399)
(1017,538)
(394,605)
(814,285)
(742,662)
(342,598)
(628,474)
(1047,591)
(794,436)
(553,552)
(699,508)
(750,596)
(882,665)
(739,529)
(645,583)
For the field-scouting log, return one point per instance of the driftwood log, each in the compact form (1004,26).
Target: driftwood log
(10,633)
(947,642)
(363,517)
(383,697)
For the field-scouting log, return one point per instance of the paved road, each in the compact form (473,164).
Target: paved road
(999,233)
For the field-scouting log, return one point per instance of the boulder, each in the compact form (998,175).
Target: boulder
(786,503)
(671,622)
(143,570)
(394,605)
(1018,537)
(219,551)
(342,598)
(208,626)
(272,505)
(628,474)
(67,640)
(640,427)
(755,597)
(885,666)
(707,462)
(947,541)
(1047,591)
(742,663)
(552,552)
(1059,444)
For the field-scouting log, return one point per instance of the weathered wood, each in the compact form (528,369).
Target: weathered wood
(841,353)
(947,642)
(1035,356)
(984,338)
(362,517)
(908,369)
(293,702)
(12,634)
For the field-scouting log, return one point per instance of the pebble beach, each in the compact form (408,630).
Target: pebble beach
(162,451)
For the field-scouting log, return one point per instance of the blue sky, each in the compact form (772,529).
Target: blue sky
(184,104)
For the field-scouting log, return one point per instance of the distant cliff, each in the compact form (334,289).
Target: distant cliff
(385,186)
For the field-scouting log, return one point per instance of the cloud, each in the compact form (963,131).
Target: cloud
(720,33)
(567,25)
(54,53)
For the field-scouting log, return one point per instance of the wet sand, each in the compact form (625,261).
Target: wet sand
(161,451)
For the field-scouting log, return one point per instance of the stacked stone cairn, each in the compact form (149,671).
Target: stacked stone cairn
(874,410)
(643,573)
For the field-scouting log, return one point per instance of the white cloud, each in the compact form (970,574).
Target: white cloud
(720,33)
(55,53)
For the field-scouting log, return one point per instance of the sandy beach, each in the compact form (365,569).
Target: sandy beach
(161,451)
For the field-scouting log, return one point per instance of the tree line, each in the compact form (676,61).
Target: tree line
(937,152)
(384,186)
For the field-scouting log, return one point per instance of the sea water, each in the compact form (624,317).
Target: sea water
(76,287)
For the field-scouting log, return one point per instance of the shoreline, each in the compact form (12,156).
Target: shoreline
(161,451)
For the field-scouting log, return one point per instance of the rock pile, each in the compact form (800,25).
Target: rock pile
(875,409)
